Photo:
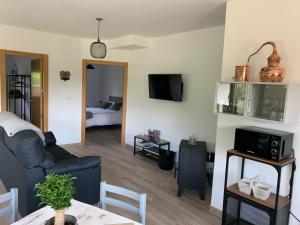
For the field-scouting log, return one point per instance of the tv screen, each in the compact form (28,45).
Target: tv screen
(165,86)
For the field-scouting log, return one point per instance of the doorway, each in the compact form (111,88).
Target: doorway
(114,100)
(24,86)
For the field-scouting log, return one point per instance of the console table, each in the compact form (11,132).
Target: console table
(155,148)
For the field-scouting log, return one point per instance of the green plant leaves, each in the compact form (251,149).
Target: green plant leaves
(57,191)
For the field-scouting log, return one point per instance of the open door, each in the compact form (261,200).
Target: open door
(36,96)
(36,93)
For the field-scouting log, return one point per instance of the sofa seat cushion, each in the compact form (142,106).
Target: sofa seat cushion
(73,165)
(58,153)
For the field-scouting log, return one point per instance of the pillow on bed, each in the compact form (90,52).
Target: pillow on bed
(116,106)
(104,105)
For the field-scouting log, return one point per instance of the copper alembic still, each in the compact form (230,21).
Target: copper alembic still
(271,73)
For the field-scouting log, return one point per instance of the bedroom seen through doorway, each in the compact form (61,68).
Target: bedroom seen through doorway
(105,102)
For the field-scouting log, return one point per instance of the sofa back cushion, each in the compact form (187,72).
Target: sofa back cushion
(28,148)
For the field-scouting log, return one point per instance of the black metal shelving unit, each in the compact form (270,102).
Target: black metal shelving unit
(19,95)
(240,208)
(153,148)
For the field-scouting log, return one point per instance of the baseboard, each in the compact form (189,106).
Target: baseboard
(75,143)
(215,211)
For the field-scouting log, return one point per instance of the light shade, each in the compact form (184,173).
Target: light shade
(98,49)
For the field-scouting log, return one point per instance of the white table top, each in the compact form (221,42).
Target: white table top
(85,214)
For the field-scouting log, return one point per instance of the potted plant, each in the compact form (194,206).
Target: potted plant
(57,192)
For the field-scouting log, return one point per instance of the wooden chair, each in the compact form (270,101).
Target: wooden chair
(141,198)
(12,210)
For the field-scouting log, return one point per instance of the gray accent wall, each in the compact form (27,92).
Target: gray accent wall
(102,82)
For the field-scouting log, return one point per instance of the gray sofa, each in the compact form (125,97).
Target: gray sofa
(25,161)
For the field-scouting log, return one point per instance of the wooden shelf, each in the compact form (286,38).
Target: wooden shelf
(270,202)
(151,149)
(281,163)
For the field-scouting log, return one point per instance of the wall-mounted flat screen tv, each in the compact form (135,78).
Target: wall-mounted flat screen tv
(165,86)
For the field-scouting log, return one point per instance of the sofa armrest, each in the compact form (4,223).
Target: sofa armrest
(49,138)
(72,165)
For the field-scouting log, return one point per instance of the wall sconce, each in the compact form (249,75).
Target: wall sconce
(90,67)
(65,75)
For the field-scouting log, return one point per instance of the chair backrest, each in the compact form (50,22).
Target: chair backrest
(141,198)
(12,209)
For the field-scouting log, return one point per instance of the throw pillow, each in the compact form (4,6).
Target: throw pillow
(117,106)
(104,105)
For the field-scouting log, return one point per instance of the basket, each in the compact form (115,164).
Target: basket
(262,191)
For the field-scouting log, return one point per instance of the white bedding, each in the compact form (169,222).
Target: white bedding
(102,117)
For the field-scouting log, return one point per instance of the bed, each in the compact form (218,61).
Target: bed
(104,117)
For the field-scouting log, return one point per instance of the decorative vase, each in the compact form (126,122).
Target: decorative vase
(273,72)
(69,220)
(192,140)
(156,135)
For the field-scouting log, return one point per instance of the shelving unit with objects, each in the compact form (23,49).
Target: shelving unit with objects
(159,149)
(242,209)
(19,95)
(276,102)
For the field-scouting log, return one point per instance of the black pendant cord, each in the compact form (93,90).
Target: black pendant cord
(99,21)
(295,217)
(98,31)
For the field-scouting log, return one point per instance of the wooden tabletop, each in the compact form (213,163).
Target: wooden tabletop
(85,214)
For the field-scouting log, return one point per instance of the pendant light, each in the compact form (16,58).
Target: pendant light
(98,48)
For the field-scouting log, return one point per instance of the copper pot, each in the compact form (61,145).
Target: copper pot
(273,72)
(241,73)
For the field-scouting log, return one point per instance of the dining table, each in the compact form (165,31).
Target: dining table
(86,215)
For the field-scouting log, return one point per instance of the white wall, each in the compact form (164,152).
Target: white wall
(65,53)
(249,23)
(197,56)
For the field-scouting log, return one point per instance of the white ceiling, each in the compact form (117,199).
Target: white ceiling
(149,18)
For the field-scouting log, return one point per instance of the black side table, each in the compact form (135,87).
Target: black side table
(165,156)
(192,167)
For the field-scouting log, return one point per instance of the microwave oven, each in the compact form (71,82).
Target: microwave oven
(265,143)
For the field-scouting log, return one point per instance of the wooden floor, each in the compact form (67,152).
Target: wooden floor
(140,174)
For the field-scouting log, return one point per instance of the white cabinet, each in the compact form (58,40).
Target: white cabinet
(231,98)
(266,101)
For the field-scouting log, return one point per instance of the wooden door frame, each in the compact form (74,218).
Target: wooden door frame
(3,54)
(85,62)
